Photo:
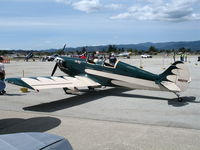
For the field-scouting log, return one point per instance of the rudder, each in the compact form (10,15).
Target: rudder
(176,78)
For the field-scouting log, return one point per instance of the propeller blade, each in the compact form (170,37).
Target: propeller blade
(54,69)
(64,47)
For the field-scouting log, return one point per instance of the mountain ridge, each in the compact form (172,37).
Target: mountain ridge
(193,45)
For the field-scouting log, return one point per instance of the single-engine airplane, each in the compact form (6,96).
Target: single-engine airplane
(85,73)
(124,54)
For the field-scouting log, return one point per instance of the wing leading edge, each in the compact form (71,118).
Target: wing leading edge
(39,83)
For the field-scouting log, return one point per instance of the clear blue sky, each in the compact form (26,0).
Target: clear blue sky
(44,24)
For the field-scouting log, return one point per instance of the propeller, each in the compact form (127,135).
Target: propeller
(64,47)
(54,69)
(57,61)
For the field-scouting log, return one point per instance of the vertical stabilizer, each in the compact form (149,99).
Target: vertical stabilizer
(176,78)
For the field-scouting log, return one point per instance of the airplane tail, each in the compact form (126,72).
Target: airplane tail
(176,78)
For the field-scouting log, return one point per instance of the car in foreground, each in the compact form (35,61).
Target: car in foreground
(33,141)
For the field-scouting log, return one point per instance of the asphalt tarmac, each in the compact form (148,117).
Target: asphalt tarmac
(109,118)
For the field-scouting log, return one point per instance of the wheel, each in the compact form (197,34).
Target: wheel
(180,99)
(68,91)
(91,89)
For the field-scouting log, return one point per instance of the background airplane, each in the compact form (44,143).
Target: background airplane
(25,57)
(146,56)
(124,54)
(28,56)
(82,73)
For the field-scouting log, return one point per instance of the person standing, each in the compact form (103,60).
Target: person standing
(185,57)
(182,57)
(112,59)
(2,77)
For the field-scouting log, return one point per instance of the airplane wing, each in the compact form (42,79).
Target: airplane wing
(39,83)
(33,141)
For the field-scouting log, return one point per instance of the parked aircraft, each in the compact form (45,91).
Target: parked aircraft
(52,57)
(146,56)
(124,54)
(85,73)
(27,57)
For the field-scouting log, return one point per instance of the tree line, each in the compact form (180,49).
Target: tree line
(110,49)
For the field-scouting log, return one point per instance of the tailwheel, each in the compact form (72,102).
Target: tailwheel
(180,99)
(66,90)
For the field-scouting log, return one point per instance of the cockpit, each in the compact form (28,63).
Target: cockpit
(101,62)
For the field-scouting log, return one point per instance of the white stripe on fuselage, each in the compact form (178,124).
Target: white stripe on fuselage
(127,81)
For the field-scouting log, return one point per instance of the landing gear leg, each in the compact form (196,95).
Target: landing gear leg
(74,91)
(94,88)
(180,99)
(66,90)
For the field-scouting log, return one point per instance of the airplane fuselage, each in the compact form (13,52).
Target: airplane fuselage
(131,76)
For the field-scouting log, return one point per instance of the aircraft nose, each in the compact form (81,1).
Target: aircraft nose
(59,59)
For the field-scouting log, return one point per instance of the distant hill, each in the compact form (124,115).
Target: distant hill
(193,45)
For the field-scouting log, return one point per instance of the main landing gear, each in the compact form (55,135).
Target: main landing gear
(91,89)
(180,99)
(73,91)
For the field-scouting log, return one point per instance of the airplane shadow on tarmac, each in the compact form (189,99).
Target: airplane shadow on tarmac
(14,94)
(75,100)
(37,124)
(95,95)
(186,101)
(174,102)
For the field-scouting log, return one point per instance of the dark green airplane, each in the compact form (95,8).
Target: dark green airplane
(85,73)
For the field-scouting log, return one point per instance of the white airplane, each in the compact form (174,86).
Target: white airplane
(146,56)
(124,54)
